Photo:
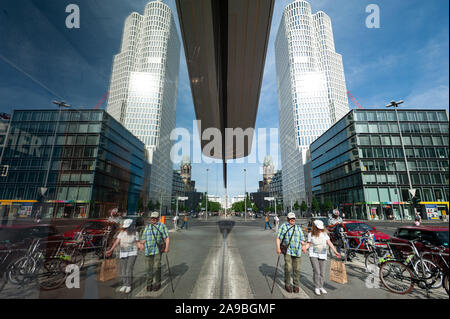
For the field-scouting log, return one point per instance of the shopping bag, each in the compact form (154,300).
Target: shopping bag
(108,270)
(338,272)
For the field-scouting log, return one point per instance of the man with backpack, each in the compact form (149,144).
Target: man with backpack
(155,241)
(291,242)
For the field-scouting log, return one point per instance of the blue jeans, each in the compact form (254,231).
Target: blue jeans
(267,224)
(184,223)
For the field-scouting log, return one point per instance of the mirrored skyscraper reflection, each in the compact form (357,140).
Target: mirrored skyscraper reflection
(144,85)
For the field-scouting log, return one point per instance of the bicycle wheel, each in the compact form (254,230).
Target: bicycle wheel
(430,272)
(20,271)
(77,258)
(51,273)
(371,261)
(445,283)
(396,277)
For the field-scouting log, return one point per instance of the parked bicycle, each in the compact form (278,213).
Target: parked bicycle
(348,247)
(399,274)
(39,265)
(75,251)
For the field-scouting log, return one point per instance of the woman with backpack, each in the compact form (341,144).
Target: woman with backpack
(128,239)
(317,243)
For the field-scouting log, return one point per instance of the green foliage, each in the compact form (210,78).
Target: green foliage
(303,206)
(296,205)
(140,204)
(314,205)
(150,205)
(327,205)
(212,206)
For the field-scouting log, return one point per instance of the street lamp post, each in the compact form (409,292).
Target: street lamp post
(60,106)
(245,193)
(206,211)
(395,106)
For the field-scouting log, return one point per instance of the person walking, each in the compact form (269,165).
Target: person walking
(155,239)
(185,221)
(418,219)
(335,223)
(317,242)
(175,222)
(115,216)
(128,240)
(267,224)
(277,222)
(291,242)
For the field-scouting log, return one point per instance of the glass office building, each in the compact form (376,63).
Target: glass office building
(360,166)
(93,165)
(312,92)
(143,88)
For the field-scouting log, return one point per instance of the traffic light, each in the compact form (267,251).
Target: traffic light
(415,201)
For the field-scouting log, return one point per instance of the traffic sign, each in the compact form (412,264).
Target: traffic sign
(4,170)
(43,190)
(183,198)
(269,198)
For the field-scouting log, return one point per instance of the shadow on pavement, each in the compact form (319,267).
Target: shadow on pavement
(269,272)
(225,227)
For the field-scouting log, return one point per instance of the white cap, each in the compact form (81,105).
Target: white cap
(336,212)
(154,215)
(291,216)
(319,224)
(127,223)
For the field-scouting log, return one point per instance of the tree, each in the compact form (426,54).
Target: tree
(140,204)
(296,205)
(150,205)
(303,207)
(158,205)
(314,205)
(327,205)
(255,207)
(279,208)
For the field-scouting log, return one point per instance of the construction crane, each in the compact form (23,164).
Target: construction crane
(354,100)
(104,97)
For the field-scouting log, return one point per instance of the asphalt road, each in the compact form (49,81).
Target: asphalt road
(224,258)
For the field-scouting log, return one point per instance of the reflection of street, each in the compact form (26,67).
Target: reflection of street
(224,258)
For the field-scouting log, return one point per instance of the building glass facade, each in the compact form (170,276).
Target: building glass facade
(311,89)
(96,164)
(144,87)
(359,163)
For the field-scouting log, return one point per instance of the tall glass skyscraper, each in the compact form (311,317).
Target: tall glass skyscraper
(144,86)
(311,89)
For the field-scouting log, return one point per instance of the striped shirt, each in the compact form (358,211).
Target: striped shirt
(154,238)
(295,245)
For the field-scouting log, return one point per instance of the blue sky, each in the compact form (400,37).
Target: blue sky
(40,59)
